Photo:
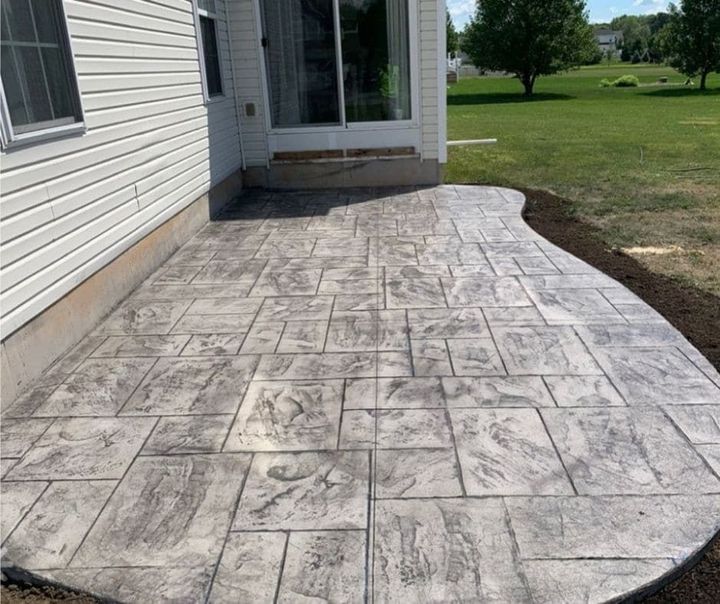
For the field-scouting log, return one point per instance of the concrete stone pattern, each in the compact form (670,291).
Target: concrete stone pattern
(392,395)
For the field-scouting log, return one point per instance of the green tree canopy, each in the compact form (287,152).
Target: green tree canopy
(529,38)
(453,38)
(636,33)
(691,40)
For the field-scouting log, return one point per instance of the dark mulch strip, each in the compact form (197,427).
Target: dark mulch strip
(695,313)
(26,594)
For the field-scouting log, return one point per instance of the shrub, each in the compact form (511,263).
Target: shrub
(626,81)
(605,83)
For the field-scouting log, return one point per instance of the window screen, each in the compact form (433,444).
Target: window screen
(37,72)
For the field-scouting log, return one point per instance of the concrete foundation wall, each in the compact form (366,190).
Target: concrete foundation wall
(32,348)
(325,174)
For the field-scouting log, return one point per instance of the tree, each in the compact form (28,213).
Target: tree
(636,33)
(529,38)
(453,38)
(691,40)
(656,23)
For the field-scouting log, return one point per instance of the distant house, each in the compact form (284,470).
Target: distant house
(124,123)
(609,40)
(461,66)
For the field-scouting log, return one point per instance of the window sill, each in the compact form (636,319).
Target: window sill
(218,98)
(39,136)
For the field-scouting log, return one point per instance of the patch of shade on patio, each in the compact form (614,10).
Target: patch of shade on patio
(392,395)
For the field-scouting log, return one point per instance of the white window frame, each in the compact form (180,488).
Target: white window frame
(345,126)
(197,13)
(9,138)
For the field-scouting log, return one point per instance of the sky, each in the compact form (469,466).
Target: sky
(600,10)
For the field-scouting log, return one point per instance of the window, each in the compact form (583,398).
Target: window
(337,62)
(210,57)
(39,86)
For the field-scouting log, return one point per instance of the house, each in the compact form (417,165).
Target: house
(125,124)
(609,41)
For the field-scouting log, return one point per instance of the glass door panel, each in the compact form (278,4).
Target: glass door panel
(376,59)
(301,59)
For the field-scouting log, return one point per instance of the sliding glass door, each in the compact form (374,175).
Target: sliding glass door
(301,58)
(337,62)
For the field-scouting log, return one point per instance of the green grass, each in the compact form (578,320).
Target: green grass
(643,163)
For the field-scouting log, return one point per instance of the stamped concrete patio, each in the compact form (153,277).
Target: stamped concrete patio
(391,396)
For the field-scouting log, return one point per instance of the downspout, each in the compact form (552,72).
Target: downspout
(238,113)
(442,82)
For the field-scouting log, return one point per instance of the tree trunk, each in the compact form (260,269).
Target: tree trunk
(703,80)
(528,82)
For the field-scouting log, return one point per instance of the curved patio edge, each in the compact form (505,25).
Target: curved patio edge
(606,467)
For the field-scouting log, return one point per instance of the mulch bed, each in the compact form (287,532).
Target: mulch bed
(695,313)
(12,593)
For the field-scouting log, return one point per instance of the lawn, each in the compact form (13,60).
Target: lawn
(642,164)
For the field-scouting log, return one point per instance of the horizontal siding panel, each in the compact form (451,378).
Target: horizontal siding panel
(183,160)
(123,98)
(74,165)
(180,12)
(23,200)
(105,83)
(30,159)
(199,171)
(38,281)
(124,206)
(142,151)
(34,240)
(108,66)
(26,221)
(118,115)
(82,204)
(96,48)
(105,32)
(94,12)
(71,263)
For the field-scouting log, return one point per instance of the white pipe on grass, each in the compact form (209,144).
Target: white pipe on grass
(477,141)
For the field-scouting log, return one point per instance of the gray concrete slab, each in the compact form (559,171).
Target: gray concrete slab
(373,395)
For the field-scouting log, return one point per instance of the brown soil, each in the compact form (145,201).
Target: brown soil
(24,594)
(692,311)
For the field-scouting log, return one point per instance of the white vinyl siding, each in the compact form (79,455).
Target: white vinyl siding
(70,206)
(249,89)
(432,81)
